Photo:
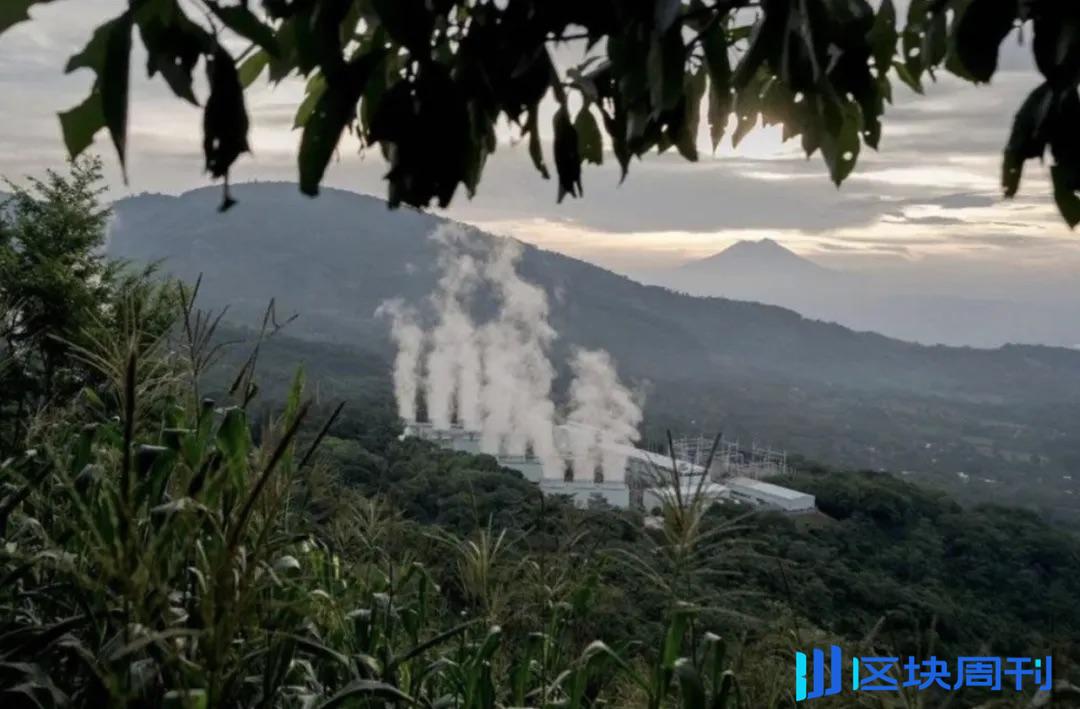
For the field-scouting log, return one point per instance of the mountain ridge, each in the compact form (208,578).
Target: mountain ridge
(847,397)
(390,251)
(903,302)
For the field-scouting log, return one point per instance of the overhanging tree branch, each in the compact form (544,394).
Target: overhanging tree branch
(427,81)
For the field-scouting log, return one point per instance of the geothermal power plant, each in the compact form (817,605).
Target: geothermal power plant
(485,386)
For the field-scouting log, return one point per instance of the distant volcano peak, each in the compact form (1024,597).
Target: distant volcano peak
(764,255)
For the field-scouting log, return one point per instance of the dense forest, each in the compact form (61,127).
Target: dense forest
(187,522)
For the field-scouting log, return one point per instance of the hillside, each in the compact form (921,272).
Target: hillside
(757,371)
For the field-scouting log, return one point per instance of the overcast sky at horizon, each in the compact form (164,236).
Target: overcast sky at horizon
(930,197)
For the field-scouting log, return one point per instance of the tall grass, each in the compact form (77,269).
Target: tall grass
(160,550)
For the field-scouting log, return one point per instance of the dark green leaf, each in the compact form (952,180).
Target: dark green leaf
(430,135)
(316,87)
(481,145)
(173,43)
(714,42)
(314,647)
(567,157)
(883,36)
(727,686)
(29,685)
(368,690)
(872,105)
(145,456)
(334,109)
(409,22)
(282,450)
(155,465)
(535,151)
(979,32)
(615,125)
(233,438)
(665,64)
(1028,137)
(225,120)
(81,123)
(252,67)
(293,35)
(764,43)
(108,54)
(691,689)
(185,699)
(13,12)
(1065,197)
(673,639)
(490,645)
(241,20)
(666,12)
(28,641)
(720,103)
(747,107)
(385,71)
(140,644)
(686,139)
(590,141)
(935,40)
(430,643)
(114,86)
(83,449)
(840,139)
(713,660)
(778,107)
(1056,41)
(908,78)
(912,43)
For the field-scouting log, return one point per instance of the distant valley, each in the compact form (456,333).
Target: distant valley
(703,364)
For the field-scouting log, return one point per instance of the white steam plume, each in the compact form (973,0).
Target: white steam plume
(453,365)
(496,376)
(410,341)
(603,419)
(519,415)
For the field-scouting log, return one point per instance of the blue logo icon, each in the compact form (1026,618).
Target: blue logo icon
(820,671)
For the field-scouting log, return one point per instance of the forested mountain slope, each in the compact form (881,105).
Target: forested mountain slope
(847,397)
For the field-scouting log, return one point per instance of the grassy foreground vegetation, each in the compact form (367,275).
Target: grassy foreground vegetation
(170,537)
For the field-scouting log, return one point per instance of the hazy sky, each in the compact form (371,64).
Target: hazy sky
(931,195)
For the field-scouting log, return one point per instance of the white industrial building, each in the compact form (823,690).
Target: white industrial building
(454,438)
(653,498)
(763,494)
(530,468)
(645,481)
(583,493)
(642,466)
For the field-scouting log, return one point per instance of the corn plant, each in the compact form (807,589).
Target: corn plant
(159,548)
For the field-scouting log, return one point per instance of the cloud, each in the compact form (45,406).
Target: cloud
(664,193)
(932,185)
(900,217)
(864,248)
(957,200)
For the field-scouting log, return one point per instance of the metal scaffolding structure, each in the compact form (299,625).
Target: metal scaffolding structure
(732,460)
